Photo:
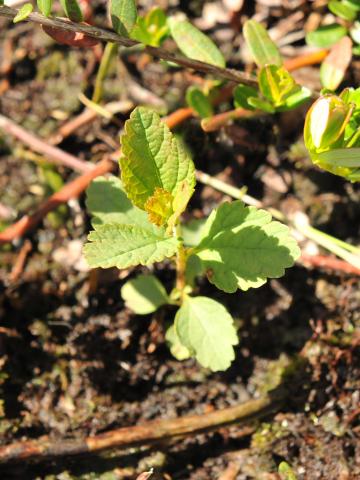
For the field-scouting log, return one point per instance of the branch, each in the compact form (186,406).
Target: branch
(53,154)
(109,36)
(146,433)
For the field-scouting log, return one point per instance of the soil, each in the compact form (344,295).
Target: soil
(74,361)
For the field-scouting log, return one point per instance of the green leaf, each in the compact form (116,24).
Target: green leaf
(152,158)
(326,35)
(276,84)
(262,48)
(144,294)
(72,10)
(45,6)
(23,13)
(194,268)
(159,207)
(206,329)
(352,96)
(124,246)
(177,349)
(107,202)
(195,44)
(341,157)
(354,4)
(333,68)
(152,29)
(342,10)
(242,247)
(199,102)
(261,104)
(296,99)
(123,16)
(325,122)
(286,472)
(192,231)
(241,95)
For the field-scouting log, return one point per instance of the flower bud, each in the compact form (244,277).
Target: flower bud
(325,122)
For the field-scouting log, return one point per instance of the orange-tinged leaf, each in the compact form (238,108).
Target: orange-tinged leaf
(72,39)
(159,207)
(334,66)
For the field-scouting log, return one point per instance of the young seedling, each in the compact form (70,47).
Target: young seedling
(278,90)
(136,221)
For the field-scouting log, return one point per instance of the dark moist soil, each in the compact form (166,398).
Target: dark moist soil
(75,362)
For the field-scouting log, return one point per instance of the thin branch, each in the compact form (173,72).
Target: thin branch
(53,154)
(109,36)
(143,434)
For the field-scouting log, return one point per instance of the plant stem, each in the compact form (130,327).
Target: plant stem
(110,51)
(180,270)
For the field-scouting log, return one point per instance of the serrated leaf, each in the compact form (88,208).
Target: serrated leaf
(159,206)
(124,246)
(123,16)
(199,102)
(325,36)
(334,67)
(194,268)
(23,13)
(177,349)
(107,202)
(45,6)
(181,199)
(164,209)
(206,329)
(342,10)
(192,231)
(195,44)
(72,10)
(152,158)
(144,294)
(262,48)
(242,247)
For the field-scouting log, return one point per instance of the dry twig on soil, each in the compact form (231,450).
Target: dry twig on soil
(146,433)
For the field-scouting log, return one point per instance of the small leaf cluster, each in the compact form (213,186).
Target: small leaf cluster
(332,133)
(278,91)
(136,221)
